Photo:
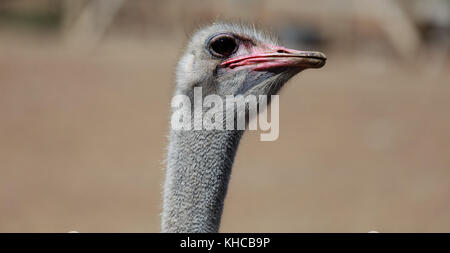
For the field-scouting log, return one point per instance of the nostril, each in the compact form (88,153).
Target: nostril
(281,51)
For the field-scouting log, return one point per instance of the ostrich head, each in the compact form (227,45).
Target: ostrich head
(228,59)
(224,60)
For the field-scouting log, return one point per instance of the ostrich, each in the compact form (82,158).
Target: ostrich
(223,59)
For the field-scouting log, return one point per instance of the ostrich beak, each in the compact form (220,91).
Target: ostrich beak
(278,57)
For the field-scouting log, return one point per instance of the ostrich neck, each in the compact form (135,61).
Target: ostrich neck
(198,171)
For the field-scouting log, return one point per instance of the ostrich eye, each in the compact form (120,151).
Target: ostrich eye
(222,45)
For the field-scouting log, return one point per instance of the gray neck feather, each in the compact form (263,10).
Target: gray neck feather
(198,170)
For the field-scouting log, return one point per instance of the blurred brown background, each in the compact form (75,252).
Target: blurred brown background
(364,143)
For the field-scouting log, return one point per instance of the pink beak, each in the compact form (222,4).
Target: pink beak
(278,57)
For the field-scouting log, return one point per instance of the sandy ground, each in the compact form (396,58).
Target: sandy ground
(364,145)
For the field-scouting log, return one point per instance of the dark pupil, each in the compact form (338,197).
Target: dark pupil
(224,46)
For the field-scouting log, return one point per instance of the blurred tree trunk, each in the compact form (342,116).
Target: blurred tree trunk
(392,18)
(88,21)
